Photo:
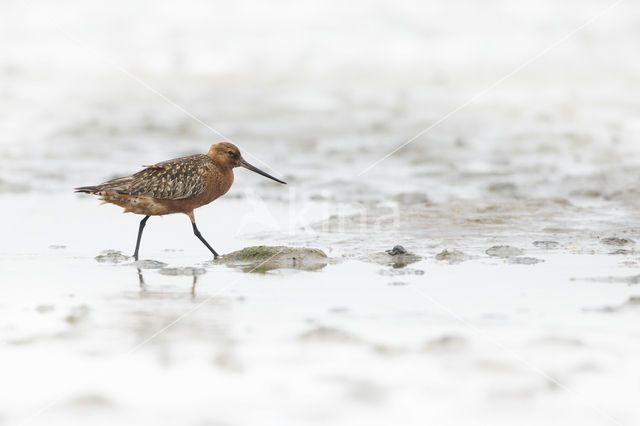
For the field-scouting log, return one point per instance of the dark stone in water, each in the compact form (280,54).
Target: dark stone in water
(396,250)
(504,251)
(615,241)
(397,257)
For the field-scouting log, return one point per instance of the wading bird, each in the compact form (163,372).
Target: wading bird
(175,186)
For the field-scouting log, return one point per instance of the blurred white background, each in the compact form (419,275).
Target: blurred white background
(532,114)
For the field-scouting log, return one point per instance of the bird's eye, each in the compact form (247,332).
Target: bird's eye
(231,153)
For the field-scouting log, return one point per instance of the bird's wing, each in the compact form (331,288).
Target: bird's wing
(176,179)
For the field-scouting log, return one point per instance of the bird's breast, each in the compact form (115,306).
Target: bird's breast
(219,182)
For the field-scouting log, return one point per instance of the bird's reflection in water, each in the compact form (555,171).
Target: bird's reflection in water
(143,285)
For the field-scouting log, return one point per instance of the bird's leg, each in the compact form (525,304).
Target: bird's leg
(143,222)
(200,237)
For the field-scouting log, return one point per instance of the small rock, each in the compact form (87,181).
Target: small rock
(397,283)
(615,241)
(504,251)
(266,258)
(44,308)
(112,256)
(396,250)
(57,247)
(397,257)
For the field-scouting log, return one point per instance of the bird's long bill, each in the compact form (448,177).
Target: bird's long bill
(246,165)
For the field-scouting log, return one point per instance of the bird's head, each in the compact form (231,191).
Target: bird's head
(228,155)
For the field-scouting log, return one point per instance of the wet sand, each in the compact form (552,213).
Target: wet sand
(363,337)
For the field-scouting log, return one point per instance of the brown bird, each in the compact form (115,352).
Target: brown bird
(175,186)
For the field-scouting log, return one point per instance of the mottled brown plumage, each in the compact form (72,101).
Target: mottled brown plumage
(175,186)
(170,180)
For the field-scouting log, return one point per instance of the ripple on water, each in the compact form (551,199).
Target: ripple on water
(632,304)
(504,251)
(446,343)
(77,314)
(615,241)
(90,401)
(112,256)
(630,279)
(327,334)
(523,260)
(150,264)
(400,271)
(13,187)
(624,252)
(183,271)
(546,244)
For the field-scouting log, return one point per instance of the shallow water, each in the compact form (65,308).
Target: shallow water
(518,303)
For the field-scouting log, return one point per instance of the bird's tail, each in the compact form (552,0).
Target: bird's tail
(87,189)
